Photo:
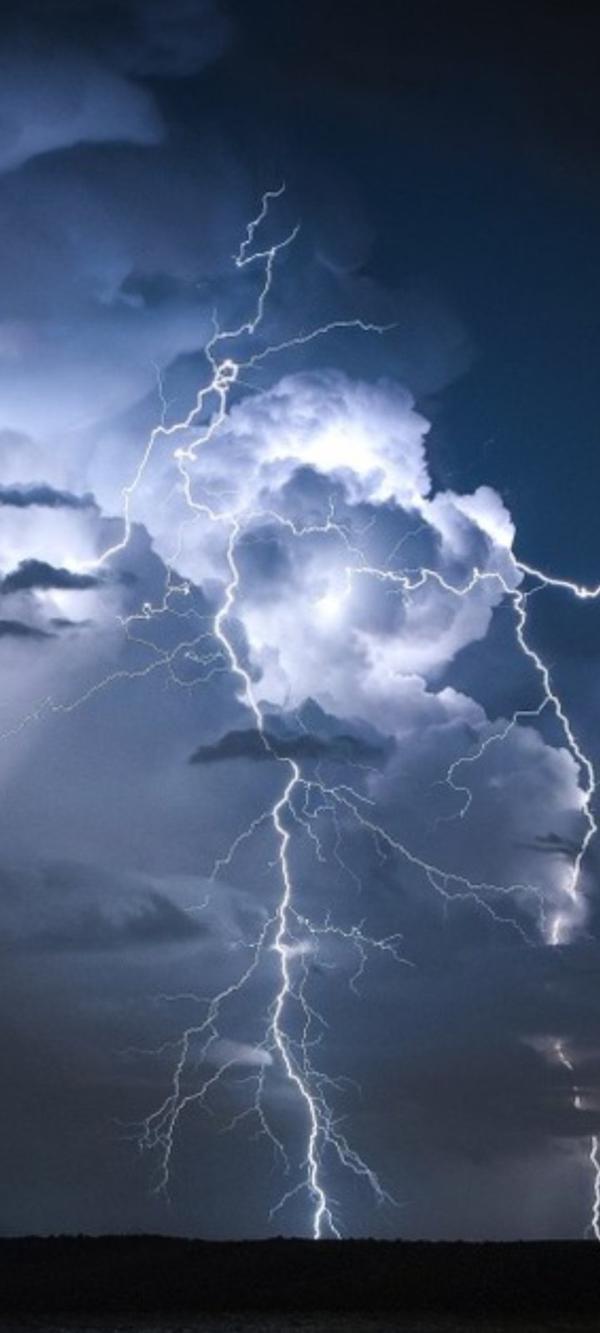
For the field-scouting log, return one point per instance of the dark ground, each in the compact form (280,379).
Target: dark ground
(144,1276)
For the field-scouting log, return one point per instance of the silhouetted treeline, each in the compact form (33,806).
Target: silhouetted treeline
(153,1274)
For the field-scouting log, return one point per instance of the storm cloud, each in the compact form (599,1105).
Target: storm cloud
(151,615)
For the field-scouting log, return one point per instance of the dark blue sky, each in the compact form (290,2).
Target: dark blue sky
(318,583)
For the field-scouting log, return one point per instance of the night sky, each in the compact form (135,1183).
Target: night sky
(299,909)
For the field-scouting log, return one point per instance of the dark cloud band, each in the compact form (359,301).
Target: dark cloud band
(37,574)
(43,496)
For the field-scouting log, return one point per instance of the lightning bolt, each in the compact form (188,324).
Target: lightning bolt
(564,920)
(278,933)
(305,804)
(290,935)
(594,1224)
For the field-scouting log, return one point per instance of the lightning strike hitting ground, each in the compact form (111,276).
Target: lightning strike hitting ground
(306,805)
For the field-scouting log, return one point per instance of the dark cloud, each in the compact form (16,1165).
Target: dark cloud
(70,77)
(164,38)
(33,574)
(174,39)
(18,629)
(248,744)
(63,622)
(55,98)
(153,923)
(44,496)
(554,844)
